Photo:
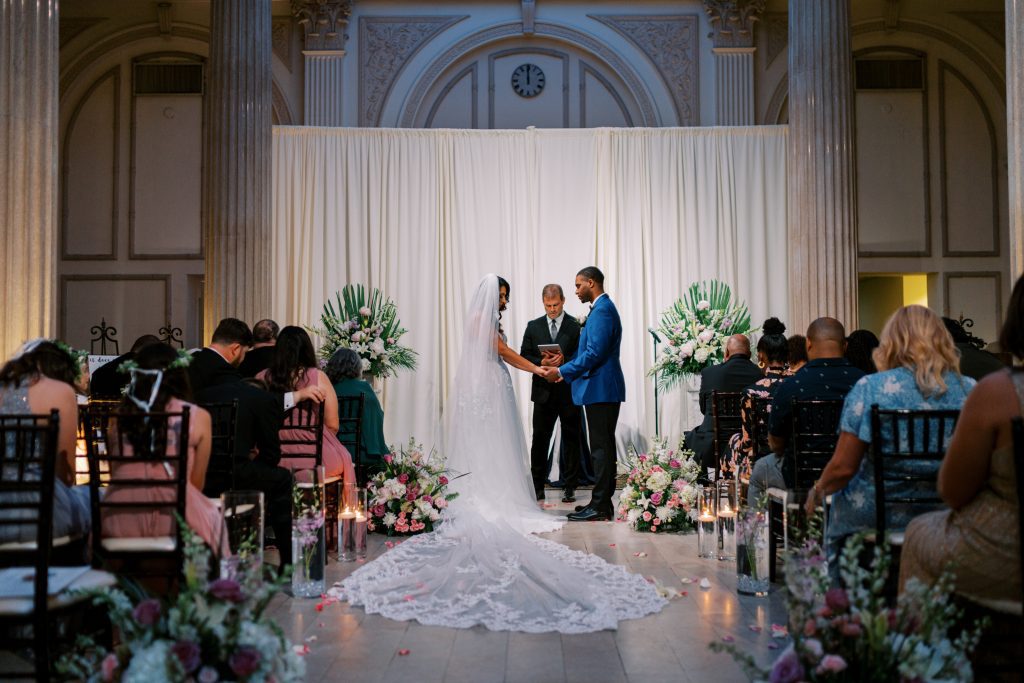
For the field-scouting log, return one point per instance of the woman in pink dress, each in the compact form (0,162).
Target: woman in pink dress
(171,387)
(294,367)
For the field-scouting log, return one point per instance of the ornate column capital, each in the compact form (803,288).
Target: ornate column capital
(323,22)
(733,21)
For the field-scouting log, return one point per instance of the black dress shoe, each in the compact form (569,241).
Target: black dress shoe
(589,515)
(568,496)
(581,508)
(540,496)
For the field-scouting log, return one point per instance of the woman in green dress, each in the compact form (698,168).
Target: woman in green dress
(345,370)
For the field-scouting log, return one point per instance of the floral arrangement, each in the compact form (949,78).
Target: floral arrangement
(212,631)
(368,326)
(660,494)
(409,494)
(696,328)
(851,634)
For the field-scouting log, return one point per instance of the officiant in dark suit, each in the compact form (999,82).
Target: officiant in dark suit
(553,401)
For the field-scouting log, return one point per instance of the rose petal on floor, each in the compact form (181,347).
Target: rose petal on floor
(403,652)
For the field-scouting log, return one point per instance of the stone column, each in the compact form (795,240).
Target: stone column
(236,163)
(733,24)
(822,192)
(323,23)
(29,74)
(1015,131)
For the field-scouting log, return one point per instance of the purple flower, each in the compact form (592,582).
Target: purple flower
(787,668)
(188,654)
(245,661)
(837,600)
(147,612)
(208,675)
(227,589)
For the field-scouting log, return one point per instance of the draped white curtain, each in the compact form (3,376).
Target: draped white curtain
(424,214)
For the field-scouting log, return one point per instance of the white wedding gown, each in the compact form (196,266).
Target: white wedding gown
(483,565)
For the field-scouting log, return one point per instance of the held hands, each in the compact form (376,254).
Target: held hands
(549,373)
(551,359)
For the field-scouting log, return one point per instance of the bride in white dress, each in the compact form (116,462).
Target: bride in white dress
(483,565)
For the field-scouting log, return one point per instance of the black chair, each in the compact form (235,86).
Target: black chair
(153,467)
(761,411)
(815,431)
(220,473)
(725,421)
(305,421)
(350,432)
(28,454)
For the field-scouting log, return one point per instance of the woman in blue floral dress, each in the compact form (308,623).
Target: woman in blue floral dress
(918,370)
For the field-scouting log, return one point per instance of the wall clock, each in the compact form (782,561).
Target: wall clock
(528,80)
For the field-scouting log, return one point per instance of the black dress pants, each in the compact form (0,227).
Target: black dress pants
(601,421)
(544,416)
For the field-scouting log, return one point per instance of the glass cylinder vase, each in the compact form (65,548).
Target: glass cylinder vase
(352,524)
(309,542)
(707,523)
(241,545)
(726,515)
(752,553)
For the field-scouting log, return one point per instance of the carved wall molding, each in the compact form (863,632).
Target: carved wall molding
(281,40)
(671,43)
(732,21)
(386,45)
(775,29)
(460,49)
(72,27)
(279,103)
(992,23)
(323,22)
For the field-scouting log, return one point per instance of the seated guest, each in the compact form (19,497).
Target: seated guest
(40,378)
(735,373)
(294,368)
(974,360)
(860,346)
(977,480)
(345,370)
(827,375)
(164,390)
(917,369)
(107,382)
(264,336)
(257,447)
(797,353)
(772,351)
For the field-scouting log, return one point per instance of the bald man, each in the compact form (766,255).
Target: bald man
(735,373)
(826,376)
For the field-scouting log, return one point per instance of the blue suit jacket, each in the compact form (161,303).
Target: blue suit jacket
(595,375)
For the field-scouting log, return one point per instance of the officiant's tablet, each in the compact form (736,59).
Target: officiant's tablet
(549,348)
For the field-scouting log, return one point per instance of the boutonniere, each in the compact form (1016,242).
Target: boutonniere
(582,319)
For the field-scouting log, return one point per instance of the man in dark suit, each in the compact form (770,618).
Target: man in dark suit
(735,373)
(975,361)
(596,381)
(264,341)
(553,401)
(107,382)
(215,379)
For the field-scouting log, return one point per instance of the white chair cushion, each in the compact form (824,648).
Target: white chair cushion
(94,578)
(140,544)
(238,509)
(31,545)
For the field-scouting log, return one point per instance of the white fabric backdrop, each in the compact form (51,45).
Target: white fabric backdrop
(424,214)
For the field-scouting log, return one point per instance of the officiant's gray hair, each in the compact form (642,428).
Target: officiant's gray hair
(551,291)
(344,364)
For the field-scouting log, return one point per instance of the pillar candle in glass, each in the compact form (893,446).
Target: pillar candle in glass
(726,514)
(707,523)
(352,524)
(362,518)
(241,547)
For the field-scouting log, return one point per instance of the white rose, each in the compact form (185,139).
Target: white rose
(706,336)
(703,305)
(366,364)
(365,311)
(700,355)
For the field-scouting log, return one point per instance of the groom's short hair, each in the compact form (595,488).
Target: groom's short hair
(592,273)
(551,291)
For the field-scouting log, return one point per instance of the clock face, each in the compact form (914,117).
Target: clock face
(527,80)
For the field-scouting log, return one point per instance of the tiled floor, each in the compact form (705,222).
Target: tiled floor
(346,644)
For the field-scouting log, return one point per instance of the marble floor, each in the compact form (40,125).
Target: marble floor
(346,644)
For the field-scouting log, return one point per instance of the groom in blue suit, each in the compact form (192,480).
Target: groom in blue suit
(595,378)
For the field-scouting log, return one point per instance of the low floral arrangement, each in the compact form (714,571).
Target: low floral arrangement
(695,328)
(212,631)
(660,494)
(368,326)
(408,496)
(851,634)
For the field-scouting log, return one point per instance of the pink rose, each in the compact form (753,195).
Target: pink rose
(675,464)
(634,473)
(441,503)
(656,521)
(657,468)
(147,612)
(837,600)
(810,628)
(832,664)
(109,667)
(410,496)
(378,510)
(642,458)
(647,516)
(245,661)
(443,480)
(851,630)
(403,477)
(656,498)
(428,499)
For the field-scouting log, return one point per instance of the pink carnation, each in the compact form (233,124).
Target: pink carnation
(647,516)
